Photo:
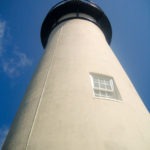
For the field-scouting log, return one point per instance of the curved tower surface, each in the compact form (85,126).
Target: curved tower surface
(80,98)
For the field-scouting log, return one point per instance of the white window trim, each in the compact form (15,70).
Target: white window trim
(98,97)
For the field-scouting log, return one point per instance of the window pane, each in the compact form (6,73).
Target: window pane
(97,93)
(112,84)
(103,93)
(108,87)
(107,82)
(109,94)
(96,79)
(102,81)
(96,85)
(104,86)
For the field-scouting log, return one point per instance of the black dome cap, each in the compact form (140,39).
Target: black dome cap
(75,6)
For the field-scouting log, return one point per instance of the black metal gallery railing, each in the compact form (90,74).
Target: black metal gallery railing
(93,13)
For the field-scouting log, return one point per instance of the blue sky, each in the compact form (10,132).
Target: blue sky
(21,49)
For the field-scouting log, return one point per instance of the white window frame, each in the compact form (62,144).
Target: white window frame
(113,91)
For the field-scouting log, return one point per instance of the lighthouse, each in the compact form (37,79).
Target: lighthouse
(80,97)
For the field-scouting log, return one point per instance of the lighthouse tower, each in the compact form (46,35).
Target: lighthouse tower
(80,98)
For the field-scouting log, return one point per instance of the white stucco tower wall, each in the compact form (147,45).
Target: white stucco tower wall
(60,110)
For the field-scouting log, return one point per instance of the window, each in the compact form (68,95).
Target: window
(104,86)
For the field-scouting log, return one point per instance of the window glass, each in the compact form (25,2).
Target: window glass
(104,86)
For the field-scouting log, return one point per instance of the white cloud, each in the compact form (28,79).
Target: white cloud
(3,134)
(14,65)
(12,60)
(2,31)
(10,69)
(2,28)
(23,59)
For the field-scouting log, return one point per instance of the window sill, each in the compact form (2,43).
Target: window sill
(109,99)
